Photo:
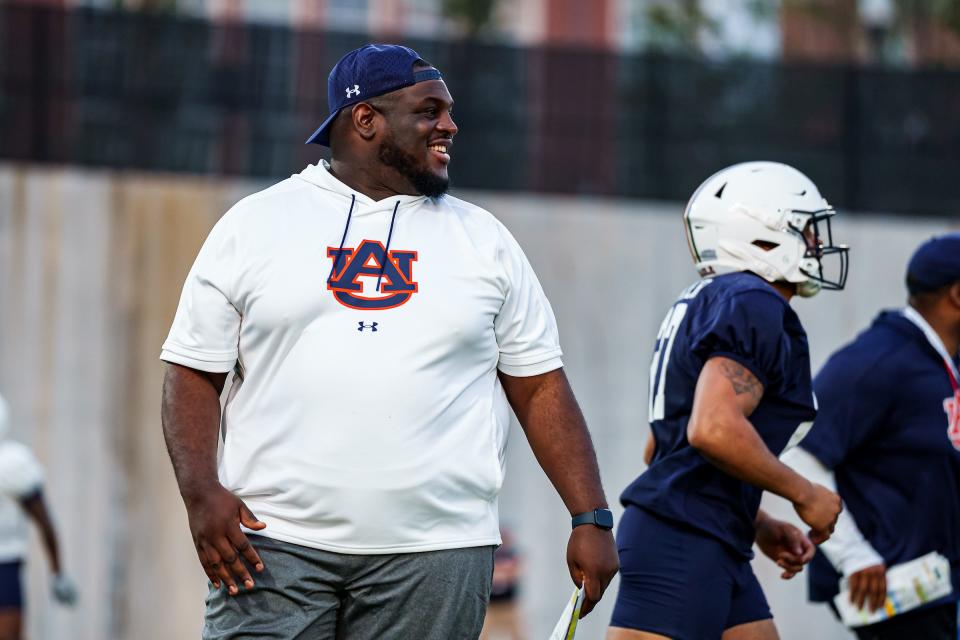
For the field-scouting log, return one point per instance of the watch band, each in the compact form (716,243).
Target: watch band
(602,518)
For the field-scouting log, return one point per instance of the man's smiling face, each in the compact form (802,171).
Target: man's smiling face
(419,135)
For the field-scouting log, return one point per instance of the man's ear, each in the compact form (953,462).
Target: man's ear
(953,293)
(366,120)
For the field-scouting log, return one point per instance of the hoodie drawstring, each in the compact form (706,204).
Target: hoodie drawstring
(336,261)
(386,252)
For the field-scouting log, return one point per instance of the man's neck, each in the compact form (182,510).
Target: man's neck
(785,289)
(367,181)
(947,329)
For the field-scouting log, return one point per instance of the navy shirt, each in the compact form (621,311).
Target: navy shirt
(741,317)
(882,427)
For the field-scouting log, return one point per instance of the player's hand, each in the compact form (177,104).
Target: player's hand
(869,586)
(784,544)
(64,590)
(819,508)
(215,519)
(593,561)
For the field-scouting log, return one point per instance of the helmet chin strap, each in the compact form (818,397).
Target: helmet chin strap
(808,288)
(805,289)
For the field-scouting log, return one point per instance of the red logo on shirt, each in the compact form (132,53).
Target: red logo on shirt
(952,407)
(367,269)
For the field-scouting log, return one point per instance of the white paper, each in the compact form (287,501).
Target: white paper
(566,628)
(909,585)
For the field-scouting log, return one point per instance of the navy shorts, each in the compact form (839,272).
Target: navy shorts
(11,595)
(680,582)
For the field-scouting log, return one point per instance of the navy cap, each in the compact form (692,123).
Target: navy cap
(372,70)
(935,264)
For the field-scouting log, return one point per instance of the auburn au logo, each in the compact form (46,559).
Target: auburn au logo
(952,407)
(356,272)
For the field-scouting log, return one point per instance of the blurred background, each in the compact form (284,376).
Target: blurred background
(127,127)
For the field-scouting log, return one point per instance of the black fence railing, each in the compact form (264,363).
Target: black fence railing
(140,91)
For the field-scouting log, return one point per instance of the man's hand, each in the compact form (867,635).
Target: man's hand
(593,561)
(784,544)
(819,507)
(191,426)
(215,519)
(869,586)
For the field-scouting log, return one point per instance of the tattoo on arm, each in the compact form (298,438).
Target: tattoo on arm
(742,380)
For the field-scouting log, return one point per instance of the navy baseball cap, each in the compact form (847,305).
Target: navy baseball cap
(372,70)
(935,264)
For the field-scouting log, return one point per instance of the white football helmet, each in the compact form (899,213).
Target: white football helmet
(769,219)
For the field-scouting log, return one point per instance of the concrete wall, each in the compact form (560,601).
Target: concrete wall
(91,265)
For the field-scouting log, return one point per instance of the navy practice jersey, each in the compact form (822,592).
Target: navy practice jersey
(885,405)
(741,317)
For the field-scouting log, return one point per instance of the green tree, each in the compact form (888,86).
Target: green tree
(676,25)
(149,6)
(946,12)
(474,15)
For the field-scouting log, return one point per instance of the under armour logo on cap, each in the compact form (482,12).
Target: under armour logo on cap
(379,69)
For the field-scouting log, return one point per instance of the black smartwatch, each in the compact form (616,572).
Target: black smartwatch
(601,518)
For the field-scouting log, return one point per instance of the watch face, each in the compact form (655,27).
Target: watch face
(604,518)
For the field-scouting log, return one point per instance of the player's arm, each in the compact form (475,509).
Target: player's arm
(191,425)
(650,449)
(558,436)
(36,509)
(727,394)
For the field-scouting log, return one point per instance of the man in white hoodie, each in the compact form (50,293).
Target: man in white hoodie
(378,331)
(21,496)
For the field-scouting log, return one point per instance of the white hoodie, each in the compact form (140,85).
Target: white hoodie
(20,476)
(364,420)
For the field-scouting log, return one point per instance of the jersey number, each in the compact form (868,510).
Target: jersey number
(663,347)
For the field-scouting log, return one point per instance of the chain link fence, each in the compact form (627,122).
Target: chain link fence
(166,93)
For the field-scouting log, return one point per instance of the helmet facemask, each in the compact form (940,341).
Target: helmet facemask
(817,236)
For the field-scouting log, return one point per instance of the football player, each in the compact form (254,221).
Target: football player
(21,501)
(730,389)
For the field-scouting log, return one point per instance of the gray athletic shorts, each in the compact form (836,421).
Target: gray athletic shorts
(308,594)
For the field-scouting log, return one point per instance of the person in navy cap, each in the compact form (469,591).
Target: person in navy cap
(379,331)
(887,435)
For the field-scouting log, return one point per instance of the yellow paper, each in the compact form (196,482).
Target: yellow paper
(566,628)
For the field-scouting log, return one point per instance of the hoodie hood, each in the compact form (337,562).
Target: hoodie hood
(319,175)
(356,204)
(895,320)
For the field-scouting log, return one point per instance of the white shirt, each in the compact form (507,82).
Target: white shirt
(362,430)
(20,476)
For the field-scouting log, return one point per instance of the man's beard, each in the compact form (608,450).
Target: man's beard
(424,181)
